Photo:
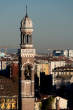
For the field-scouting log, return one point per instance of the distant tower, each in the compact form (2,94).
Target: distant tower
(27,55)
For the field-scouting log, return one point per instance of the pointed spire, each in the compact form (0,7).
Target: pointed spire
(26,11)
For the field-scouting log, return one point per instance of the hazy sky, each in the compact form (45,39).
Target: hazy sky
(52,20)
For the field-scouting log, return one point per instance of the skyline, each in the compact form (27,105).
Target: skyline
(52,20)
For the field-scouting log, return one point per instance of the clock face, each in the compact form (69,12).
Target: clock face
(27,72)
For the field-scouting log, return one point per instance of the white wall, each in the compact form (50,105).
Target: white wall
(70,53)
(62,103)
(54,64)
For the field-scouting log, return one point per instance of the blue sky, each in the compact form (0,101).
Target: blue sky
(52,20)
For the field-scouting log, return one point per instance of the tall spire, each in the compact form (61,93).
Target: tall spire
(26,11)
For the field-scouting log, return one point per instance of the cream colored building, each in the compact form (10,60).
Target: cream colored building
(37,105)
(63,75)
(3,65)
(54,64)
(68,53)
(61,101)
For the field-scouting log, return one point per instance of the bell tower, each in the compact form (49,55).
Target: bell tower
(27,66)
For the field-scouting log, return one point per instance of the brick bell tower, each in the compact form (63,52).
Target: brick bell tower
(27,67)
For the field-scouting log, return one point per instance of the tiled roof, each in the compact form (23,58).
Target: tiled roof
(64,68)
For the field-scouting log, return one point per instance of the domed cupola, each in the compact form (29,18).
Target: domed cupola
(26,25)
(26,29)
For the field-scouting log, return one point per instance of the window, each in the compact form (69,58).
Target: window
(1,87)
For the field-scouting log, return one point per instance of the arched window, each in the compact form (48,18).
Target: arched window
(28,72)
